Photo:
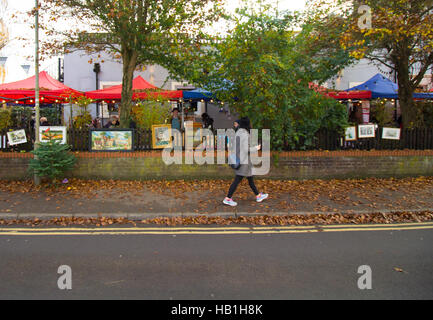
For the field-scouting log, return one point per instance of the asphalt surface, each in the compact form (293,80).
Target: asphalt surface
(225,266)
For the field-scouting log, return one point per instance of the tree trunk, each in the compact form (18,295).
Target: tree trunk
(129,59)
(405,91)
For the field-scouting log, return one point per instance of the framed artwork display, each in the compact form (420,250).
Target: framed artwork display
(52,133)
(161,136)
(111,140)
(366,131)
(17,137)
(350,134)
(391,133)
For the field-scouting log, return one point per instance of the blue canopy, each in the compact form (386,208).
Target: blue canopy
(198,94)
(382,87)
(423,95)
(202,94)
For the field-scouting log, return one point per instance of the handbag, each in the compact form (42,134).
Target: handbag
(234,162)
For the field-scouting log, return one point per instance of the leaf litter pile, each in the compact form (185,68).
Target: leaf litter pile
(265,220)
(326,201)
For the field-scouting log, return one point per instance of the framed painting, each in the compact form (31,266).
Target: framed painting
(366,131)
(193,133)
(17,137)
(161,136)
(111,140)
(391,133)
(52,133)
(350,134)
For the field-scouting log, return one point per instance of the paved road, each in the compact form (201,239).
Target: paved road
(320,265)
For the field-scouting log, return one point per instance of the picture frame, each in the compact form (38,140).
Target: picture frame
(111,140)
(60,134)
(350,134)
(17,137)
(366,131)
(391,133)
(161,136)
(193,133)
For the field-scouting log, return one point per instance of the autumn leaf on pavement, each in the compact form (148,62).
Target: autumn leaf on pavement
(399,270)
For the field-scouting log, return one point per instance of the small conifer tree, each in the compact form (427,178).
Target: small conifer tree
(52,159)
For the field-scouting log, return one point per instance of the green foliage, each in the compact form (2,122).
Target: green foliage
(21,116)
(310,113)
(5,119)
(52,160)
(84,118)
(424,114)
(148,113)
(52,114)
(137,32)
(399,39)
(264,68)
(380,113)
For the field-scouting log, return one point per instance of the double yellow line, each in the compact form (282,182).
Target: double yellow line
(219,230)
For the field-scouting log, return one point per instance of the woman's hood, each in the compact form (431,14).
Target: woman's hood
(242,131)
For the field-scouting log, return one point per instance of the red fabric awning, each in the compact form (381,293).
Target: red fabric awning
(346,95)
(141,91)
(341,95)
(51,90)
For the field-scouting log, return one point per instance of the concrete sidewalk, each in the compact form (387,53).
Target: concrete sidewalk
(151,199)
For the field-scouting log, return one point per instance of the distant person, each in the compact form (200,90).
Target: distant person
(400,122)
(236,125)
(44,122)
(175,121)
(176,125)
(96,123)
(207,121)
(116,121)
(241,149)
(32,123)
(112,124)
(132,124)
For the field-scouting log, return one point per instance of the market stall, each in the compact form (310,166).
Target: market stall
(382,87)
(142,90)
(51,91)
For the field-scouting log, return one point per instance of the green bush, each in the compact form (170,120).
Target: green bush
(52,160)
(84,118)
(5,119)
(424,114)
(381,114)
(148,113)
(52,114)
(21,116)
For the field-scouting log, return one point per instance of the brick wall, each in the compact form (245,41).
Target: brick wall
(317,165)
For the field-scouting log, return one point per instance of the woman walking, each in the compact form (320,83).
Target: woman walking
(242,151)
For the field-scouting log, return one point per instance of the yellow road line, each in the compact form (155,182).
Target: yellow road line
(186,231)
(229,227)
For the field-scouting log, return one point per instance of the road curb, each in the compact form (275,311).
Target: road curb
(149,216)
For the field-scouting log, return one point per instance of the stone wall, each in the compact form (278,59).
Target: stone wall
(290,167)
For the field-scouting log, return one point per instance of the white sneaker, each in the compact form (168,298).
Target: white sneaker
(230,202)
(261,197)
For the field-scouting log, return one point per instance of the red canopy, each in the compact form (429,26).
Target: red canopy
(51,90)
(346,95)
(342,95)
(141,90)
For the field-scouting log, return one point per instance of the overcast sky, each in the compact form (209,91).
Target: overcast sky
(21,29)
